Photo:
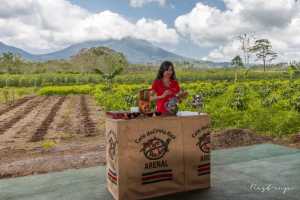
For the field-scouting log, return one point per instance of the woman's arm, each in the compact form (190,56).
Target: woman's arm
(153,96)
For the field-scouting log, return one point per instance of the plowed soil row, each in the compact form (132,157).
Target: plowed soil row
(42,130)
(18,103)
(7,124)
(89,127)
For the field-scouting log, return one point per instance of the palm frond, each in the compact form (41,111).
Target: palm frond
(98,71)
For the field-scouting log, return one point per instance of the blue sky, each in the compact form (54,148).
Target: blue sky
(167,13)
(202,29)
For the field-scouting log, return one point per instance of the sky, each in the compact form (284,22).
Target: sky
(201,29)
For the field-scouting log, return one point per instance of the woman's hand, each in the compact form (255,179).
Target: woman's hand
(166,93)
(154,97)
(182,95)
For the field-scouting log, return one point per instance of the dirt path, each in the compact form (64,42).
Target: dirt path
(64,156)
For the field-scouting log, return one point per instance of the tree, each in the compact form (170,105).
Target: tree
(109,63)
(237,63)
(245,40)
(105,59)
(292,70)
(108,77)
(263,51)
(10,61)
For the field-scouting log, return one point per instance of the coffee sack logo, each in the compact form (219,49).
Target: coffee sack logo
(203,142)
(155,148)
(154,145)
(203,136)
(112,144)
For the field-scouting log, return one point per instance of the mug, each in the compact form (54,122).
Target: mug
(134,109)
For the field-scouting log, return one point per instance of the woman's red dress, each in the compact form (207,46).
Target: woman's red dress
(159,88)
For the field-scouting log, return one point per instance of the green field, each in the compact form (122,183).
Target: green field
(268,107)
(268,103)
(133,77)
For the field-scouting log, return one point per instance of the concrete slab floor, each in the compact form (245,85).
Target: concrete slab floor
(239,173)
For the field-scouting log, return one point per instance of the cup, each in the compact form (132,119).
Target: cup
(134,109)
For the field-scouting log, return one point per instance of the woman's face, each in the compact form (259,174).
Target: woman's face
(168,74)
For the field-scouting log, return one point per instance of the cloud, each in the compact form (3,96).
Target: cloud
(285,42)
(225,52)
(141,3)
(15,8)
(41,26)
(156,31)
(209,26)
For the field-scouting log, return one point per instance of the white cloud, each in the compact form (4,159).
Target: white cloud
(140,3)
(226,52)
(15,8)
(41,26)
(206,25)
(277,20)
(156,31)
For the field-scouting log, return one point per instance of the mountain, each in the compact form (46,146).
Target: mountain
(136,51)
(5,48)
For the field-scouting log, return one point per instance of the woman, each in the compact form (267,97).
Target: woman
(165,87)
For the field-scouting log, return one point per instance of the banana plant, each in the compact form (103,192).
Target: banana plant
(108,77)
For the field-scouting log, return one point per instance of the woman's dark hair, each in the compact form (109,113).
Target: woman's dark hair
(164,67)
